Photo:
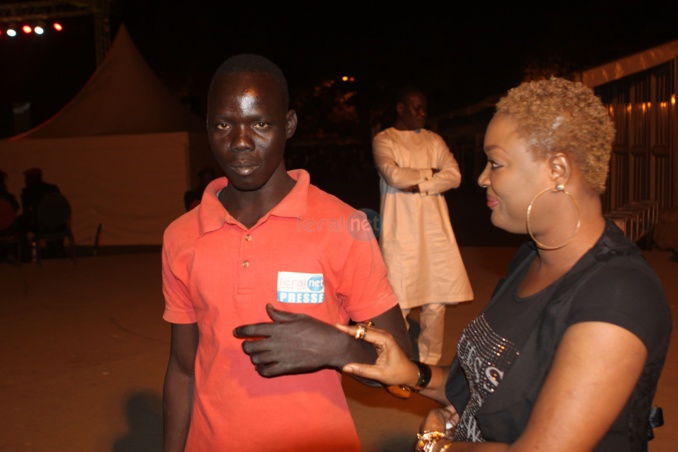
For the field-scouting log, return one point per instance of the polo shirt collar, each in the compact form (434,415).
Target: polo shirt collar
(212,215)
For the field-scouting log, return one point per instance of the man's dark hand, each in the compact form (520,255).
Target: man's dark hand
(292,344)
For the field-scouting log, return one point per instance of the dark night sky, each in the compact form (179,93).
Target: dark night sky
(459,56)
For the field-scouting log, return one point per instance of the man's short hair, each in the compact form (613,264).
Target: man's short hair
(405,91)
(250,62)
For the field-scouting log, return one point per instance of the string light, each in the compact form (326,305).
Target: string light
(39,28)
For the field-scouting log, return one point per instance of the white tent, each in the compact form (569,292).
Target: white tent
(123,152)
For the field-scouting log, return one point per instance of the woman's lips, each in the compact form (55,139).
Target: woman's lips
(492,202)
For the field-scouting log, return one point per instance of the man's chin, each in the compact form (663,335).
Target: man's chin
(244,184)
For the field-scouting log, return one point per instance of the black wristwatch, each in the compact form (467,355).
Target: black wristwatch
(424,376)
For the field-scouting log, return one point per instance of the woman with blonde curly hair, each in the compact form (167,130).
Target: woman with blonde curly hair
(567,354)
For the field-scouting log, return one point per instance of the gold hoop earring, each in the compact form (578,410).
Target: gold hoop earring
(560,188)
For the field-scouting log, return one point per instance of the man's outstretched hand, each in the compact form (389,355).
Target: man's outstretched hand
(292,344)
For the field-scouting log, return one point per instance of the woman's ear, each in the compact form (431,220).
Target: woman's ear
(561,168)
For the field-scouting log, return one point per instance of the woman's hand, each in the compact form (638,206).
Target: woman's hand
(442,420)
(392,367)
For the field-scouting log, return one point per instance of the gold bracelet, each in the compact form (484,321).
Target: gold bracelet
(427,441)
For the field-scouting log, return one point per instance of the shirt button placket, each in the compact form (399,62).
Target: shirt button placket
(246,274)
(246,262)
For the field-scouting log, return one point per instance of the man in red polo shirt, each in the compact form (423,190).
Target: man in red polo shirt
(255,278)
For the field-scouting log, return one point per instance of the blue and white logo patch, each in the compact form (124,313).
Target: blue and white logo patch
(301,287)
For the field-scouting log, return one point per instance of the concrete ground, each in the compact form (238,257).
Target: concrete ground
(84,350)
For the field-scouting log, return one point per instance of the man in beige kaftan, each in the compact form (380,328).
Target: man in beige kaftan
(425,267)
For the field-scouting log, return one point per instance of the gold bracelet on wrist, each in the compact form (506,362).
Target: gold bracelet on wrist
(428,441)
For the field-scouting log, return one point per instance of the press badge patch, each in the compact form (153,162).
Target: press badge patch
(301,287)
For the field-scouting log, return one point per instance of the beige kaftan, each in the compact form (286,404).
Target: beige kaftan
(416,237)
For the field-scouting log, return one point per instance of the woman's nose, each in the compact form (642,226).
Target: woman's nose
(483,179)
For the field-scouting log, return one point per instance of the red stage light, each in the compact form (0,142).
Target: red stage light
(27,29)
(57,26)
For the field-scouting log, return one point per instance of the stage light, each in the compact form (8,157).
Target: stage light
(39,27)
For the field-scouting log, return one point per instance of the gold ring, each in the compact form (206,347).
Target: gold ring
(360,332)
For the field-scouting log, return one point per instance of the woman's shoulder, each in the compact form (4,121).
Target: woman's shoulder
(627,292)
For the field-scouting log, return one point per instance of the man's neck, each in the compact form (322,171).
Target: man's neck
(249,206)
(399,125)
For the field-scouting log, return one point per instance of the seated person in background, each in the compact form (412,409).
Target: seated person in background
(34,191)
(567,354)
(6,195)
(8,212)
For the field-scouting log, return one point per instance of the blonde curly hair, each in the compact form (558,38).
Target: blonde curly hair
(560,115)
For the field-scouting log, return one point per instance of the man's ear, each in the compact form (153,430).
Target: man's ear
(399,108)
(561,168)
(291,124)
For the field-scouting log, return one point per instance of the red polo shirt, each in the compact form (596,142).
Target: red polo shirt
(312,254)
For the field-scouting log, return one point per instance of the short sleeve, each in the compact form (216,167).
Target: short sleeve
(625,292)
(178,306)
(364,284)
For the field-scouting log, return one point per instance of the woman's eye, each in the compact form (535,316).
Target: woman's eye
(493,164)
